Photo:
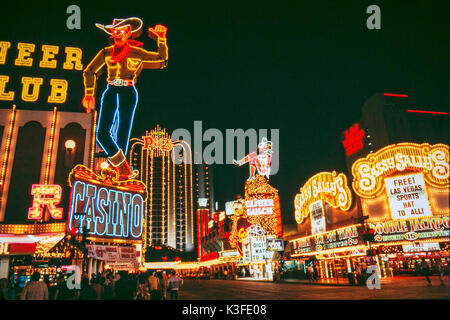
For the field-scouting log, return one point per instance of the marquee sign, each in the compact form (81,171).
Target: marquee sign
(407,197)
(52,57)
(259,207)
(339,238)
(431,160)
(327,186)
(412,229)
(110,208)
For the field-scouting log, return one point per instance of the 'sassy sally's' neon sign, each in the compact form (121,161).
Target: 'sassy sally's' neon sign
(107,212)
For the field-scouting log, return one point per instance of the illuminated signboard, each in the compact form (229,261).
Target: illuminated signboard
(275,244)
(45,196)
(317,217)
(259,207)
(326,186)
(229,207)
(407,197)
(256,250)
(421,247)
(53,58)
(431,160)
(203,202)
(353,140)
(158,143)
(339,238)
(412,229)
(110,208)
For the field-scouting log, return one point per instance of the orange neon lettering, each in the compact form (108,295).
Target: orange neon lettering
(8,96)
(49,53)
(23,56)
(4,46)
(59,91)
(73,59)
(28,82)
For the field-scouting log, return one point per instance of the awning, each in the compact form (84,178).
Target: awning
(30,244)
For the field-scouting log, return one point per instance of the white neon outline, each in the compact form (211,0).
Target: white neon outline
(99,205)
(74,204)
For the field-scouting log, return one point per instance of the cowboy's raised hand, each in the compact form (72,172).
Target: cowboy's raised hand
(158,32)
(88,103)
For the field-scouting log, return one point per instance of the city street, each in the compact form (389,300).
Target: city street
(400,288)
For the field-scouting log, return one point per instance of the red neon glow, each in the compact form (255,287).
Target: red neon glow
(396,95)
(429,112)
(353,139)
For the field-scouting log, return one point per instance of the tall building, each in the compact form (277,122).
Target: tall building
(204,187)
(165,167)
(391,118)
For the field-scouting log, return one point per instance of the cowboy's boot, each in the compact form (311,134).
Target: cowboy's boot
(121,166)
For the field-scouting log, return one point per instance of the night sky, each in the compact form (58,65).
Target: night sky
(303,67)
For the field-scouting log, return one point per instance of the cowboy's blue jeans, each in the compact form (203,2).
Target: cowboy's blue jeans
(115,119)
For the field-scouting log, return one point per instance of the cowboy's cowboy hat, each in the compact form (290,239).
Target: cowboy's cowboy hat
(135,23)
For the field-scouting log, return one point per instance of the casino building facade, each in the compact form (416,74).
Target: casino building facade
(397,184)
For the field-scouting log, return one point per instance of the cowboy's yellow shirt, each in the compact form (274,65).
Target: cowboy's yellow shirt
(128,69)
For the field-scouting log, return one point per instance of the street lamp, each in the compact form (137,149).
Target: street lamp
(69,155)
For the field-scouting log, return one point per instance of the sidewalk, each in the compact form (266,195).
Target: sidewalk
(401,280)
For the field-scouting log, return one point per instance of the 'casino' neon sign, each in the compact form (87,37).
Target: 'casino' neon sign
(106,211)
(431,160)
(327,186)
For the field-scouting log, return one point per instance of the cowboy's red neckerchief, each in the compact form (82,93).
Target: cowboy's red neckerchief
(124,51)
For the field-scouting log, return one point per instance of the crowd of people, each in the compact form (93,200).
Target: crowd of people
(102,286)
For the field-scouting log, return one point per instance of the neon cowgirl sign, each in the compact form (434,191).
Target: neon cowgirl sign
(108,212)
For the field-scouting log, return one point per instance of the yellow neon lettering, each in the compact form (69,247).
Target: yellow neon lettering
(73,58)
(8,96)
(49,53)
(23,56)
(4,46)
(45,196)
(59,91)
(35,83)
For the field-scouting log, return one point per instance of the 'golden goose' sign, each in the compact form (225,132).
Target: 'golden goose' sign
(327,186)
(431,160)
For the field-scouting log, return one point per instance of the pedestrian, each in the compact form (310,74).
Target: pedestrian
(8,290)
(3,289)
(310,273)
(123,286)
(154,287)
(142,289)
(35,289)
(164,285)
(98,288)
(174,284)
(108,292)
(440,271)
(93,276)
(86,292)
(425,268)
